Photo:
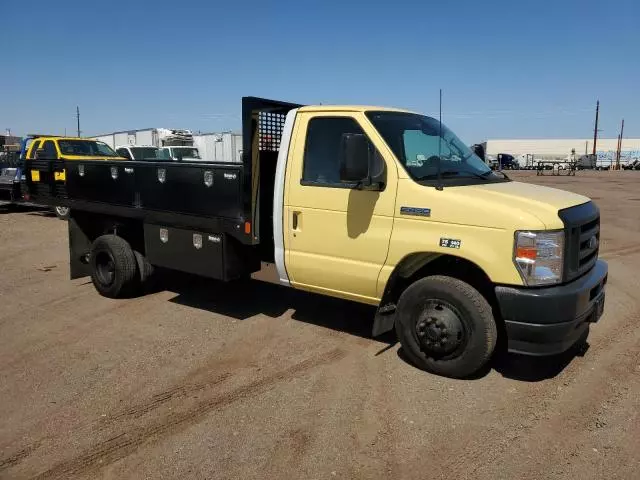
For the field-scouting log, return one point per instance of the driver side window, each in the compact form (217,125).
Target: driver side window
(50,150)
(123,152)
(321,164)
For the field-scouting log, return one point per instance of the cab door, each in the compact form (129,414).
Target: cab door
(337,235)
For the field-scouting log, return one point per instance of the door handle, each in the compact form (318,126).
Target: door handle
(294,223)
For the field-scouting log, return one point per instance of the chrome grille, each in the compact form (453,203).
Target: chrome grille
(589,244)
(582,239)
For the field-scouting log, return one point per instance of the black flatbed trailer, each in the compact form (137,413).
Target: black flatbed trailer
(210,219)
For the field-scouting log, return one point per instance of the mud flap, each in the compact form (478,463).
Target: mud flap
(384,320)
(79,248)
(145,269)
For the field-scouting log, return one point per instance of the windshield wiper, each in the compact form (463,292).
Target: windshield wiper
(451,173)
(445,173)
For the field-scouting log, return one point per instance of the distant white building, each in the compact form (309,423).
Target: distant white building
(557,149)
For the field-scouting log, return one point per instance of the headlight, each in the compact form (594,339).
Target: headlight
(539,257)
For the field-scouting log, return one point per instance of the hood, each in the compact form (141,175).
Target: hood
(543,202)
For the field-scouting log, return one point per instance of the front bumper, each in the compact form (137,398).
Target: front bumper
(548,321)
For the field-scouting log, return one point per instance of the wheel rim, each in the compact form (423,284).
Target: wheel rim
(62,211)
(105,268)
(440,331)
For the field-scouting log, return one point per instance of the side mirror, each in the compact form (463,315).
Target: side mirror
(354,158)
(478,150)
(41,154)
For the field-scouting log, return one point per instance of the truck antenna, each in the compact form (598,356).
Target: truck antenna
(439,184)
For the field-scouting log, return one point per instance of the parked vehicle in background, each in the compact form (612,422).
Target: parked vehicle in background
(586,162)
(142,152)
(173,144)
(181,154)
(156,137)
(503,161)
(66,148)
(632,165)
(375,205)
(10,173)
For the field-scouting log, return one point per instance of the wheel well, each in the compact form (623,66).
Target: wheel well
(95,225)
(420,265)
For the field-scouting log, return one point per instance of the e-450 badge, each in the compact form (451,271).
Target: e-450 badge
(450,243)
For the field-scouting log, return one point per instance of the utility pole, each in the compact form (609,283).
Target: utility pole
(78,118)
(595,129)
(619,152)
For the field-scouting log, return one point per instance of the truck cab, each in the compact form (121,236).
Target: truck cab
(142,152)
(376,205)
(181,153)
(70,148)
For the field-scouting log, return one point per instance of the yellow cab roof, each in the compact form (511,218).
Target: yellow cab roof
(45,137)
(349,108)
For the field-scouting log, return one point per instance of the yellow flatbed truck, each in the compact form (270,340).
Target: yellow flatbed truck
(375,205)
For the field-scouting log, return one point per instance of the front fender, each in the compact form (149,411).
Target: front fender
(491,249)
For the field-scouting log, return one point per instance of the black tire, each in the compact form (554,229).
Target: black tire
(114,270)
(62,212)
(453,318)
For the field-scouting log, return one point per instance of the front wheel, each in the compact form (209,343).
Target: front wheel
(446,326)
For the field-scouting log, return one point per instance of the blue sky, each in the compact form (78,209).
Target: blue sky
(508,69)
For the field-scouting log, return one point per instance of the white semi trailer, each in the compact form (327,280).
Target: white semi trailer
(180,144)
(156,137)
(177,144)
(223,147)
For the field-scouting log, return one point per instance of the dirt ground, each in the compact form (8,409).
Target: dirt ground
(200,380)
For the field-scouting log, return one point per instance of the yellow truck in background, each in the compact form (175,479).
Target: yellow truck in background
(375,205)
(68,148)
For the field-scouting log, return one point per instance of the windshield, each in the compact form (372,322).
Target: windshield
(149,153)
(86,148)
(419,142)
(185,152)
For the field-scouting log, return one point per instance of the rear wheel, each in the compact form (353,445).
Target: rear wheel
(62,212)
(446,326)
(114,269)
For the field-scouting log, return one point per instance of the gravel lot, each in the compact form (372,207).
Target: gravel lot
(201,380)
